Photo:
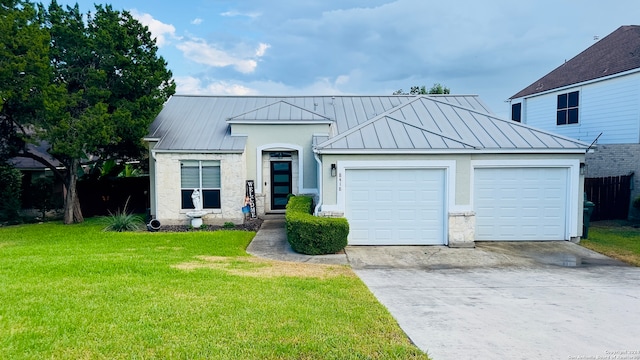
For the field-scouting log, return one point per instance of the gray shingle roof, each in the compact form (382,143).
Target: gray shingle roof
(617,52)
(360,123)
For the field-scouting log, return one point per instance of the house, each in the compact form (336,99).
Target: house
(595,95)
(31,170)
(403,170)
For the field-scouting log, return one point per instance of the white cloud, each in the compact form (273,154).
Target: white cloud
(197,21)
(342,79)
(262,48)
(321,86)
(233,13)
(189,85)
(158,29)
(200,51)
(194,86)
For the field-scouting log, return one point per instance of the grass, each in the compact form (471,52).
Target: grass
(76,292)
(617,239)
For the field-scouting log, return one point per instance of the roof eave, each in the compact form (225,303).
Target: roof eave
(573,85)
(199,151)
(446,151)
(281,122)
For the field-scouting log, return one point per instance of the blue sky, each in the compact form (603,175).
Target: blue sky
(371,47)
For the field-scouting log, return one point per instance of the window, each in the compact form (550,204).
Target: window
(567,108)
(516,112)
(204,176)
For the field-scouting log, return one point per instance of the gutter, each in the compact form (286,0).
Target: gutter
(453,151)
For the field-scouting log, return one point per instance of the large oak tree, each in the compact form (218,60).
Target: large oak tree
(106,85)
(24,72)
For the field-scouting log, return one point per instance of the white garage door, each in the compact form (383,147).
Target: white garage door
(521,203)
(395,206)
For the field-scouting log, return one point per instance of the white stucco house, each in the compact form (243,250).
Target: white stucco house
(426,169)
(594,95)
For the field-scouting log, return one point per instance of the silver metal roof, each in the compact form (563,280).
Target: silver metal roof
(427,123)
(391,123)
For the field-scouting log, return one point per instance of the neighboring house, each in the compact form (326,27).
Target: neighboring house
(426,169)
(32,169)
(596,92)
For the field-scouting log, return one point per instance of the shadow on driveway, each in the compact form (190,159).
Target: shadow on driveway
(507,300)
(485,254)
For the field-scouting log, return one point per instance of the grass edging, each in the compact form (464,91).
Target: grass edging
(617,239)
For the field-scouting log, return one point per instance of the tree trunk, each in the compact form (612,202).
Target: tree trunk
(72,211)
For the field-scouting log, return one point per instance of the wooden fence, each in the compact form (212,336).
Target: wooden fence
(101,197)
(611,196)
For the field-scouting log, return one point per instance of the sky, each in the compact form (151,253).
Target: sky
(492,48)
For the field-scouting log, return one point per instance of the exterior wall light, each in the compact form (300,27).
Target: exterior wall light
(333,170)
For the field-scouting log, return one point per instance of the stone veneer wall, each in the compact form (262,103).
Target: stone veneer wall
(232,192)
(462,229)
(616,160)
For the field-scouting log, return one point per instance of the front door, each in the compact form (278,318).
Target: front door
(280,184)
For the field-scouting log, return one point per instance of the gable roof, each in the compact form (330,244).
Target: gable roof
(279,112)
(362,124)
(616,53)
(428,124)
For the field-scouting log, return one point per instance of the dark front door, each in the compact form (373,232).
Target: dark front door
(280,184)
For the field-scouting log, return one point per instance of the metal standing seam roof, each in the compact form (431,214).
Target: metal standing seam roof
(428,124)
(393,123)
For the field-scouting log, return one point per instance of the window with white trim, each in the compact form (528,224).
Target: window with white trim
(568,108)
(201,175)
(516,112)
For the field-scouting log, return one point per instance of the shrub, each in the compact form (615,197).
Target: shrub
(312,235)
(229,225)
(636,203)
(10,185)
(123,221)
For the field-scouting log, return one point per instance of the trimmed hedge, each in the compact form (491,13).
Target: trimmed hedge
(312,235)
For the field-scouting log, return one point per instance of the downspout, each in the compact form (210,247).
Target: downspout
(155,184)
(319,204)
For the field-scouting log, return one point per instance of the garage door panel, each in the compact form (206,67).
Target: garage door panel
(520,203)
(404,206)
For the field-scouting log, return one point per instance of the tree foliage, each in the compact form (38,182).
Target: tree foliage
(10,182)
(24,73)
(103,84)
(437,88)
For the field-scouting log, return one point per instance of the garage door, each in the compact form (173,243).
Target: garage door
(521,203)
(395,206)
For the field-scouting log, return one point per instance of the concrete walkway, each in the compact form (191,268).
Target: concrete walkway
(271,242)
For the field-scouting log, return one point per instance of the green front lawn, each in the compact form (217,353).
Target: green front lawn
(617,239)
(75,292)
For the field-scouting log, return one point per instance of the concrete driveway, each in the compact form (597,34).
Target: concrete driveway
(526,300)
